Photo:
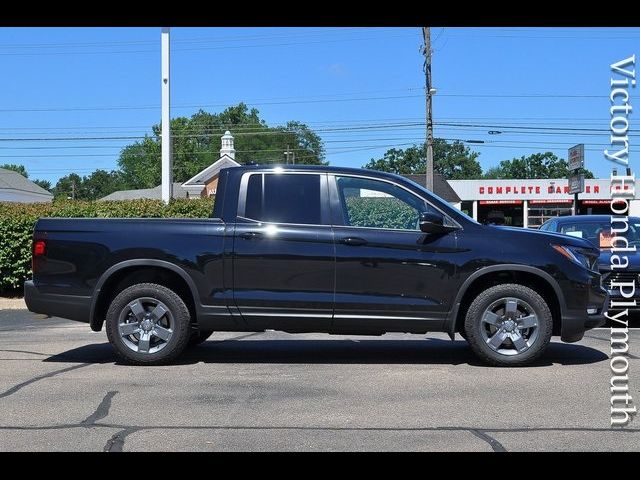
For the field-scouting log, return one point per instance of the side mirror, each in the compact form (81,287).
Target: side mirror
(432,222)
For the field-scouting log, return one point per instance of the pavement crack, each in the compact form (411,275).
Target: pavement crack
(495,445)
(15,388)
(26,351)
(102,411)
(241,337)
(116,442)
(608,340)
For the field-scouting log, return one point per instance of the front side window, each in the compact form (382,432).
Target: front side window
(377,204)
(283,198)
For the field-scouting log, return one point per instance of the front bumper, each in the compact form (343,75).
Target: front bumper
(588,296)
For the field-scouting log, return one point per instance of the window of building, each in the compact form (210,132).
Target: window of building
(540,213)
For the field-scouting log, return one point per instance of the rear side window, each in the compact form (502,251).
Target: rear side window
(284,198)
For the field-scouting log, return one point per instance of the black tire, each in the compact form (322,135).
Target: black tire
(479,341)
(198,337)
(178,313)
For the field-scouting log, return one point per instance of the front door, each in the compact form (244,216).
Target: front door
(388,272)
(284,256)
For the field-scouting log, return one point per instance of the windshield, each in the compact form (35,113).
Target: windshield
(600,234)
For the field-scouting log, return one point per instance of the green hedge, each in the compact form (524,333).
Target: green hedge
(18,219)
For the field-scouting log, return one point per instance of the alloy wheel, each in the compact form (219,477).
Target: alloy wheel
(146,325)
(509,326)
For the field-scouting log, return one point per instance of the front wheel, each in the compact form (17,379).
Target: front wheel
(508,325)
(148,324)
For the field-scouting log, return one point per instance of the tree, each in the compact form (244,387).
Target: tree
(196,145)
(454,161)
(101,183)
(46,184)
(537,165)
(68,187)
(92,187)
(16,168)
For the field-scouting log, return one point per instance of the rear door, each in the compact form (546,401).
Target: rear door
(284,256)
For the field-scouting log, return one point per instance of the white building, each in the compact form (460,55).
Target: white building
(530,203)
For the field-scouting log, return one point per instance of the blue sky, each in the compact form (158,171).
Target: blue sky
(105,82)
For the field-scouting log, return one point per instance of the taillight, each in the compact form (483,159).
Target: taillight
(39,248)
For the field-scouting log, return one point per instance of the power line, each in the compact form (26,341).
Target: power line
(220,47)
(220,38)
(301,100)
(516,128)
(380,121)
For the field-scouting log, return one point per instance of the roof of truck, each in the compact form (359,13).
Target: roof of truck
(441,187)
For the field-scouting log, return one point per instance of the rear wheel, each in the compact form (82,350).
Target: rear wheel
(508,325)
(148,324)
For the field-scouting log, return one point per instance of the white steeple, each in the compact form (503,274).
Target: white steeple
(227,145)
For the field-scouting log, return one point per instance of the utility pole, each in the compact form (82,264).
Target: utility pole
(429,91)
(167,163)
(73,189)
(289,152)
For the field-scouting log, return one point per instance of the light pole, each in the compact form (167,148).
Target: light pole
(167,164)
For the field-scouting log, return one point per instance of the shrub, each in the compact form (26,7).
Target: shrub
(18,219)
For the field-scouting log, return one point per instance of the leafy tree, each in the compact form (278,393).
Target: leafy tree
(101,183)
(46,184)
(537,165)
(196,145)
(16,168)
(454,161)
(92,187)
(140,163)
(68,187)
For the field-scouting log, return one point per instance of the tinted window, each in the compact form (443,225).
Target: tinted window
(376,204)
(550,226)
(600,233)
(284,198)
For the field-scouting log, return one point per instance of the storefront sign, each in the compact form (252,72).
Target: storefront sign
(500,202)
(553,202)
(576,183)
(531,189)
(576,157)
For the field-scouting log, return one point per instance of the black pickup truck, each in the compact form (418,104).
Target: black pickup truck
(316,249)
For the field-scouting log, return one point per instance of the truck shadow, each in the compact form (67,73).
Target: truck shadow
(428,351)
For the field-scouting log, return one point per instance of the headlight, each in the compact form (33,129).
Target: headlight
(583,256)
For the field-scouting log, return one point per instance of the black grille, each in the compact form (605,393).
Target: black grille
(622,276)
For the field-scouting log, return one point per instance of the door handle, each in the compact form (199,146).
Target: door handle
(353,241)
(250,235)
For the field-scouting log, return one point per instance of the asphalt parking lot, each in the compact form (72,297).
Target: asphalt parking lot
(61,389)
